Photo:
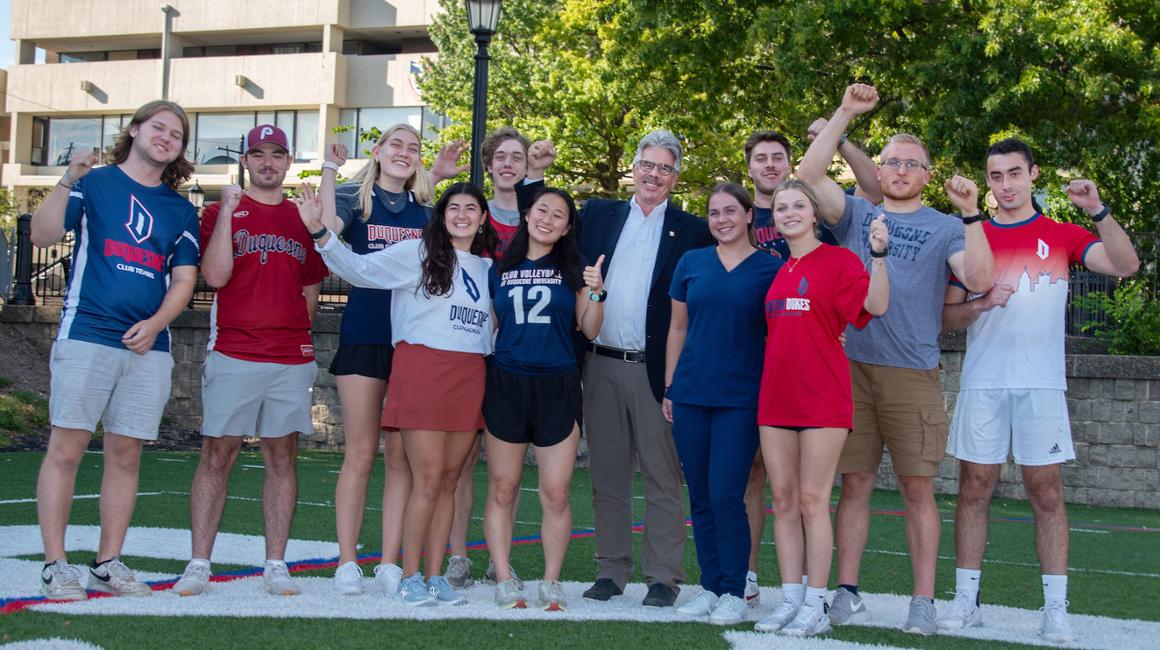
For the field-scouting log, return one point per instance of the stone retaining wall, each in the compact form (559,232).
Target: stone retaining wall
(1114,404)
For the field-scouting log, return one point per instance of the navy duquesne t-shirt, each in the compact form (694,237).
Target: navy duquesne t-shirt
(367,317)
(536,315)
(720,364)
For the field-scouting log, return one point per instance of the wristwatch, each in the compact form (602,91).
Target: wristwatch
(975,219)
(597,297)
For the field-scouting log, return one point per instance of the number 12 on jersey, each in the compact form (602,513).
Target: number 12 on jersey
(541,296)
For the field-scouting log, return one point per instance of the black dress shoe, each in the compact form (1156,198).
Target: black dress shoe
(660,595)
(605,588)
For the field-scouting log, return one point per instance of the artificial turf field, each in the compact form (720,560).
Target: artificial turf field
(1115,568)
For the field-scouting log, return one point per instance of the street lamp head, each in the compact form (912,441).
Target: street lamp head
(483,16)
(196,195)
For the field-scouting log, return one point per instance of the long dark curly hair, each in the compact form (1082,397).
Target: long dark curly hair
(439,264)
(565,254)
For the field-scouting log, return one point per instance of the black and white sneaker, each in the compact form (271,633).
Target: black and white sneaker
(113,577)
(60,580)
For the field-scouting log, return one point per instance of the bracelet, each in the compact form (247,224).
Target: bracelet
(842,139)
(879,254)
(975,219)
(326,164)
(1102,214)
(67,181)
(597,296)
(666,394)
(320,234)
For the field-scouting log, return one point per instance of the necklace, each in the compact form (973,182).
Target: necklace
(394,199)
(794,261)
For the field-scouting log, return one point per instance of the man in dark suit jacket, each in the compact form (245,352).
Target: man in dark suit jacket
(641,239)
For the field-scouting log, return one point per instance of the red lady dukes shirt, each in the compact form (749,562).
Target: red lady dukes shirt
(260,314)
(806,378)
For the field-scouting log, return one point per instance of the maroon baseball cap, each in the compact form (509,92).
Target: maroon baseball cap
(266,133)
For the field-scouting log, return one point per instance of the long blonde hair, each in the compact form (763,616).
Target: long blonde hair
(419,183)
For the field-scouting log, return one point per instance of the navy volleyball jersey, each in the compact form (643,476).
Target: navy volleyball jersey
(128,237)
(367,317)
(536,315)
(769,239)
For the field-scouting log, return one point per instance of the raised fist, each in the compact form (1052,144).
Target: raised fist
(816,128)
(231,195)
(541,155)
(964,194)
(337,153)
(1084,195)
(860,98)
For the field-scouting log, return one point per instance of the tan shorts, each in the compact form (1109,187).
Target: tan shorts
(901,408)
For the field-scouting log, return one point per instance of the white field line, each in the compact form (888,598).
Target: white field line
(54,643)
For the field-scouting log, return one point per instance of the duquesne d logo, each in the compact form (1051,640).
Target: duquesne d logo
(140,223)
(472,288)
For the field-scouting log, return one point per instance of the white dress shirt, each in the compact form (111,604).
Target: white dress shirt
(630,277)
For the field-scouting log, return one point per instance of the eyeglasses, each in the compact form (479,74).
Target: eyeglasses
(910,165)
(660,168)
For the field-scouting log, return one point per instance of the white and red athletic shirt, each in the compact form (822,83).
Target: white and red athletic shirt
(1021,346)
(261,314)
(128,238)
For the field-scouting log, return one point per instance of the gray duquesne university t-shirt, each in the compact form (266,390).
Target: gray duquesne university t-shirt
(906,336)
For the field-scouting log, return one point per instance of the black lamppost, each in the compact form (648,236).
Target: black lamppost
(482,18)
(196,196)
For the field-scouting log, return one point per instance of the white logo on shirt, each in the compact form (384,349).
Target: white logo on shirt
(140,223)
(1044,250)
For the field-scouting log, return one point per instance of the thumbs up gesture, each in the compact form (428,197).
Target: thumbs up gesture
(592,278)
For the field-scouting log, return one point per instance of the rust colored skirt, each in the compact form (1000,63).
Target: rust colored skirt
(434,390)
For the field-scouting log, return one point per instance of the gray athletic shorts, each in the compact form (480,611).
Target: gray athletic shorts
(253,398)
(124,391)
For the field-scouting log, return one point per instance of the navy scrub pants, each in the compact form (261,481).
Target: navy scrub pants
(716,446)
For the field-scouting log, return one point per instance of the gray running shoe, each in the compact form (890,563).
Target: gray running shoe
(489,576)
(847,607)
(62,581)
(551,596)
(922,617)
(784,613)
(113,577)
(458,572)
(811,620)
(509,594)
(194,580)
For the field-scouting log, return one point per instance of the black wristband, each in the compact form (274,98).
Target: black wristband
(879,254)
(975,219)
(320,234)
(1102,214)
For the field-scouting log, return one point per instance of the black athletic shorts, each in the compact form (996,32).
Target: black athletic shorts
(536,409)
(364,359)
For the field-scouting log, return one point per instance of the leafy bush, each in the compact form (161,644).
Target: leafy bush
(1135,320)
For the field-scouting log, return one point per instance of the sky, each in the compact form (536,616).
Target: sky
(6,49)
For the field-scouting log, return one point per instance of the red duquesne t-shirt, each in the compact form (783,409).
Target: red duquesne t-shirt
(806,378)
(260,315)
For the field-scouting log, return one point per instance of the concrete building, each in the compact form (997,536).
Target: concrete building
(83,66)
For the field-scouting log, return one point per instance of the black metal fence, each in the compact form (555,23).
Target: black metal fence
(51,266)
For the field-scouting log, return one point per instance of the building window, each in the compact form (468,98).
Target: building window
(363,120)
(67,136)
(39,140)
(220,130)
(83,57)
(305,132)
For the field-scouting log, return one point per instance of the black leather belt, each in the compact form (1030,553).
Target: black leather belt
(627,356)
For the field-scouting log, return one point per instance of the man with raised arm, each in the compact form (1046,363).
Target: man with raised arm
(894,361)
(134,266)
(1012,396)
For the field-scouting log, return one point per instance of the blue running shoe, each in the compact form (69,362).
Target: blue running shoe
(443,593)
(413,592)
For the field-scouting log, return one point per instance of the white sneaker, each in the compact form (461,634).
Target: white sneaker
(194,580)
(551,596)
(784,613)
(388,577)
(752,592)
(699,605)
(846,607)
(1056,625)
(62,581)
(113,577)
(730,610)
(277,580)
(811,620)
(348,579)
(964,612)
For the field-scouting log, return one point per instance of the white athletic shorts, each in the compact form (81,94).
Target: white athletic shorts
(253,398)
(991,424)
(124,391)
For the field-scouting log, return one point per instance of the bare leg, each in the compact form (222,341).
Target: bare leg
(1045,491)
(755,510)
(426,457)
(853,524)
(118,492)
(556,464)
(464,500)
(207,496)
(505,466)
(779,448)
(279,492)
(362,404)
(396,492)
(976,486)
(923,528)
(820,449)
(56,486)
(455,451)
